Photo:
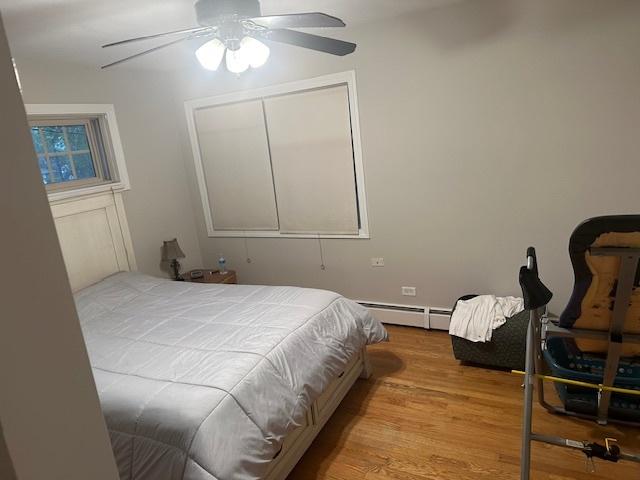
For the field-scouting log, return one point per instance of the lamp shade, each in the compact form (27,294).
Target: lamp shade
(256,52)
(236,61)
(210,54)
(171,250)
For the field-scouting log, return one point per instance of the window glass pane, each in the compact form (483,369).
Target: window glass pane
(37,140)
(235,157)
(311,156)
(65,151)
(62,170)
(44,169)
(77,135)
(54,137)
(84,165)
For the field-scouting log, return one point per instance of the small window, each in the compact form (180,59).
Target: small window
(72,151)
(78,149)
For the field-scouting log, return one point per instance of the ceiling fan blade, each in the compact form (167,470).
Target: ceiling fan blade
(158,35)
(145,52)
(299,20)
(312,42)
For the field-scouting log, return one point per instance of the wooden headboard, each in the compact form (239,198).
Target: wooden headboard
(94,238)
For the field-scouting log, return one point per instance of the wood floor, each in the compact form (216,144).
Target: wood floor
(424,416)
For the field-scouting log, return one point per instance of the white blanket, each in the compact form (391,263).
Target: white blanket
(203,382)
(477,318)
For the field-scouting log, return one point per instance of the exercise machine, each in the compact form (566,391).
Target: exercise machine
(590,353)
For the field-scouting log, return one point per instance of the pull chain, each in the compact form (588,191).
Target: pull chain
(322,266)
(246,250)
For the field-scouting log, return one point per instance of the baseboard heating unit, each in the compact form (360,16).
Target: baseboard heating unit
(410,315)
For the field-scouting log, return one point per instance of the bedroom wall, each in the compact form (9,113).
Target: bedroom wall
(486,127)
(51,423)
(158,205)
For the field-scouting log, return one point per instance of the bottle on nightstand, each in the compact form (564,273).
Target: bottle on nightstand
(222,265)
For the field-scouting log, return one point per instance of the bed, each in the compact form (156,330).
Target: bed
(204,381)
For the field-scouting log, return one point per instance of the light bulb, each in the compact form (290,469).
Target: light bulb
(237,62)
(254,51)
(210,54)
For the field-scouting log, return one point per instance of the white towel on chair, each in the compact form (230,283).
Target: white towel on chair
(477,318)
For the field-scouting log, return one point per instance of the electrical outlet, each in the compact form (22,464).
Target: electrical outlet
(377,262)
(409,291)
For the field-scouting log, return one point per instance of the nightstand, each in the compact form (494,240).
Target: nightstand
(211,276)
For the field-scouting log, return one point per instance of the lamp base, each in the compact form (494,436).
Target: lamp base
(175,266)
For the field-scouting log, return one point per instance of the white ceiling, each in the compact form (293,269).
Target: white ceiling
(73,30)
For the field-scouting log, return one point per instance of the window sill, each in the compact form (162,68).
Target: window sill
(86,191)
(363,235)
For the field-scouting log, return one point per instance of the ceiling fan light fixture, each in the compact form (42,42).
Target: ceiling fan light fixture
(210,54)
(237,28)
(254,51)
(236,61)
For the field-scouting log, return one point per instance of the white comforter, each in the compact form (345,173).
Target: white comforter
(202,382)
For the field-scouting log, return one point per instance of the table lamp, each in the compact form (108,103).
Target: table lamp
(171,252)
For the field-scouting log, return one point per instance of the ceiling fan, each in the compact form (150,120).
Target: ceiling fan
(238,28)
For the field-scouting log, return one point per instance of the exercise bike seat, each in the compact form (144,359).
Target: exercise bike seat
(535,293)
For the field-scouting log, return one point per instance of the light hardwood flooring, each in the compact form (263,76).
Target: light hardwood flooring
(422,415)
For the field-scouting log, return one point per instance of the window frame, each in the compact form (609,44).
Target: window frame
(77,114)
(99,168)
(326,81)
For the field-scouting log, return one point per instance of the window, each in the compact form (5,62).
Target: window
(78,149)
(68,151)
(284,161)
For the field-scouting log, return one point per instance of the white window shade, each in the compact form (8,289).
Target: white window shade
(313,164)
(235,158)
(282,161)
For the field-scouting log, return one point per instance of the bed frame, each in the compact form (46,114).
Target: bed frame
(299,440)
(95,241)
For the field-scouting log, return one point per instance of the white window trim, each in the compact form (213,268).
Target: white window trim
(109,112)
(348,78)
